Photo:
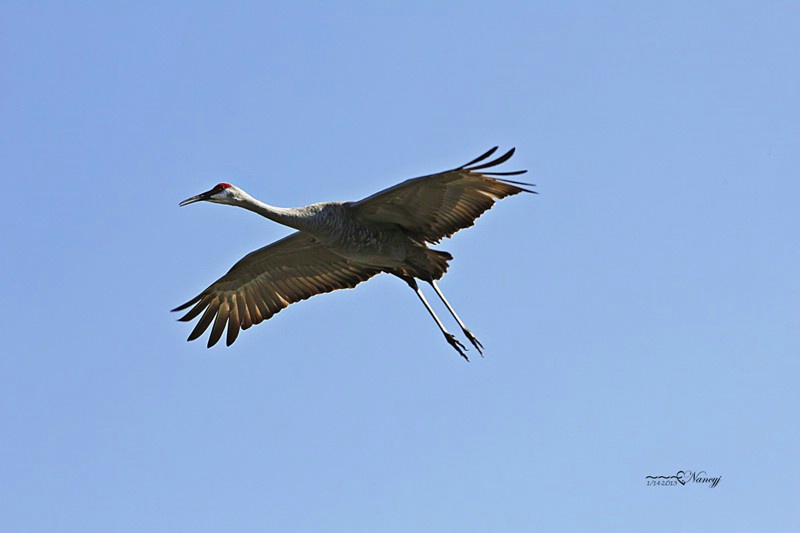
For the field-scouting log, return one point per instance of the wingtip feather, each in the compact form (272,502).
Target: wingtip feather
(493,163)
(481,157)
(187,304)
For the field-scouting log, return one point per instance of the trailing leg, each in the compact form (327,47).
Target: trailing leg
(475,342)
(451,340)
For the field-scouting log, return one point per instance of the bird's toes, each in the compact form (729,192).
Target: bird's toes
(455,343)
(474,340)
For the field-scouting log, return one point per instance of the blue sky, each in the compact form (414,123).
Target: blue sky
(640,315)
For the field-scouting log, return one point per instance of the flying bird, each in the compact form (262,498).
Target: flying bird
(338,245)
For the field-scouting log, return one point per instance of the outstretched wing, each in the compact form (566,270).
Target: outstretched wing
(436,206)
(268,280)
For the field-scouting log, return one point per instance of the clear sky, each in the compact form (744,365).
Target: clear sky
(640,316)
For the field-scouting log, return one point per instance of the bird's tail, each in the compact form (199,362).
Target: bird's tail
(437,263)
(424,263)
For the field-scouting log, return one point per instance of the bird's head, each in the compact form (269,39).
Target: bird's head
(222,193)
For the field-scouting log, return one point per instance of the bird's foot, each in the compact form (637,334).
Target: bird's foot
(474,340)
(455,343)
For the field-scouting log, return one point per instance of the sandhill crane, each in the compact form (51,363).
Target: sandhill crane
(340,244)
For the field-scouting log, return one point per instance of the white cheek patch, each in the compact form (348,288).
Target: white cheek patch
(225,195)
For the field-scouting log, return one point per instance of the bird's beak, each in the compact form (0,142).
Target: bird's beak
(199,198)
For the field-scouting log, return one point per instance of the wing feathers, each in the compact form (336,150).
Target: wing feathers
(512,173)
(436,206)
(499,161)
(480,158)
(219,324)
(205,320)
(234,322)
(244,312)
(191,315)
(266,281)
(187,304)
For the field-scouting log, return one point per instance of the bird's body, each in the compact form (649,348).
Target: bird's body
(334,225)
(339,244)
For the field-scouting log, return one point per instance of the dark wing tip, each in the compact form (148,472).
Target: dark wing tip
(517,182)
(500,160)
(233,331)
(187,304)
(519,185)
(508,173)
(480,157)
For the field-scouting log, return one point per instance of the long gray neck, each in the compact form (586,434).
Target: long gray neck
(288,216)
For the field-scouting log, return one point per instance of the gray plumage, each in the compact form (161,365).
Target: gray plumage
(340,244)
